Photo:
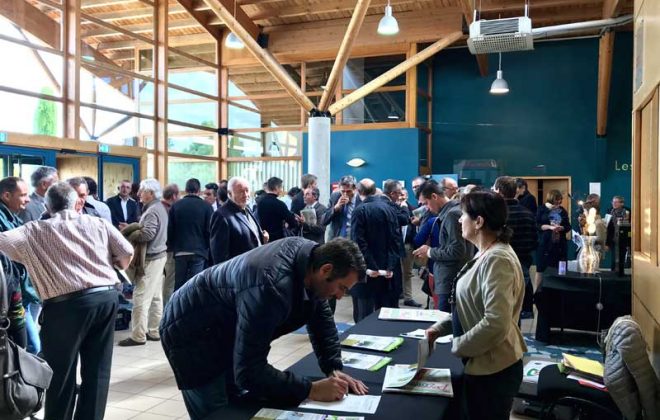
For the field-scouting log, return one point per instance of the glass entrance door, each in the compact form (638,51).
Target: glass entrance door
(23,161)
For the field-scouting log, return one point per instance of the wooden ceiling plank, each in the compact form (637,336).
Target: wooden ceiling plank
(394,72)
(468,13)
(32,20)
(240,16)
(262,55)
(344,52)
(612,8)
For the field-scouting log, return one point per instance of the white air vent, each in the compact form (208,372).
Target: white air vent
(501,35)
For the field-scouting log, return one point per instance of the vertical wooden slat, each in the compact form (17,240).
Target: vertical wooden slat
(224,116)
(605,53)
(71,48)
(160,90)
(411,90)
(303,87)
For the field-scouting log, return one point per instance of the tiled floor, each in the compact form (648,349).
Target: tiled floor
(142,385)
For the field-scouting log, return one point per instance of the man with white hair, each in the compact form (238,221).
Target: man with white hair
(42,178)
(234,229)
(450,187)
(147,273)
(75,278)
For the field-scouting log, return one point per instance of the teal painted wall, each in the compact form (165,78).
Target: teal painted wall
(388,153)
(548,118)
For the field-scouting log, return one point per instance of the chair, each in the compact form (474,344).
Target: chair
(555,389)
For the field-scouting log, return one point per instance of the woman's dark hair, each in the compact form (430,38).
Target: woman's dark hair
(293,191)
(343,254)
(492,208)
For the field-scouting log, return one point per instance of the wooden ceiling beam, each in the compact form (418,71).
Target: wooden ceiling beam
(262,55)
(265,12)
(612,8)
(344,52)
(202,19)
(137,13)
(173,41)
(468,14)
(395,72)
(32,20)
(239,15)
(605,53)
(100,31)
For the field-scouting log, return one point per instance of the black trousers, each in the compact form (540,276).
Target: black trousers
(83,326)
(185,267)
(490,397)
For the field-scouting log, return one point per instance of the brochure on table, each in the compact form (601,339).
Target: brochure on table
(372,342)
(272,414)
(422,315)
(420,334)
(363,361)
(416,379)
(366,404)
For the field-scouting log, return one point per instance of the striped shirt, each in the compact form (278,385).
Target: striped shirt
(67,253)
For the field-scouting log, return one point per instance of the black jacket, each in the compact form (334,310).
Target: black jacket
(298,202)
(525,238)
(225,318)
(132,211)
(337,219)
(188,227)
(272,213)
(231,234)
(528,201)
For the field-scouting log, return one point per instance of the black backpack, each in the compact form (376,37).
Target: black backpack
(24,377)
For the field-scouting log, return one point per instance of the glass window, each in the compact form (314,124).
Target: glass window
(116,90)
(180,169)
(258,172)
(112,127)
(185,107)
(259,113)
(151,166)
(245,144)
(205,81)
(376,108)
(199,143)
(359,71)
(28,115)
(31,70)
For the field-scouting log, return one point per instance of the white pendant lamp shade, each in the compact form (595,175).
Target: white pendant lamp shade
(499,86)
(388,24)
(233,42)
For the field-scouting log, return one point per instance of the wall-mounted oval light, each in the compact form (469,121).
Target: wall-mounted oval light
(356,162)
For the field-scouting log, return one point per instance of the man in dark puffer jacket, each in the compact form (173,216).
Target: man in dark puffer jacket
(217,329)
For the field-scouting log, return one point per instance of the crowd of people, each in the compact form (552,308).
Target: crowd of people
(217,276)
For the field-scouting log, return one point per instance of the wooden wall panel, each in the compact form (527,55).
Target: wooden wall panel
(70,166)
(646,145)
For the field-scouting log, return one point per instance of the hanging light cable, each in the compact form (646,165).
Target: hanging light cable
(499,86)
(388,24)
(233,41)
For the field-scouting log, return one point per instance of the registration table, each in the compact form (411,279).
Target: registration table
(392,406)
(571,301)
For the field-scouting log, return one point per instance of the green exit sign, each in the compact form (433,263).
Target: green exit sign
(104,148)
(3,137)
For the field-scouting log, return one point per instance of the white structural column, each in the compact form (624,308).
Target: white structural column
(318,154)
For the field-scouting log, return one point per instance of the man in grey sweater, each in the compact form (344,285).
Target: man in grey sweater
(148,279)
(452,251)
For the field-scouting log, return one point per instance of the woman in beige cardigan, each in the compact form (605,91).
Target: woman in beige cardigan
(488,297)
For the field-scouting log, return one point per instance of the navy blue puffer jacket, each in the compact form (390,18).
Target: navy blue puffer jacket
(224,319)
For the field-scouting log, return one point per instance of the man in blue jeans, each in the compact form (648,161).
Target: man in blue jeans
(218,330)
(188,233)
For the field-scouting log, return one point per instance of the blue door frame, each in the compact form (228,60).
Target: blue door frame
(47,155)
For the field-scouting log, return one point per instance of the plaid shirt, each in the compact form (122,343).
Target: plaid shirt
(67,253)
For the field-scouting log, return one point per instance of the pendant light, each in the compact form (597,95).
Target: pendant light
(388,24)
(499,86)
(232,41)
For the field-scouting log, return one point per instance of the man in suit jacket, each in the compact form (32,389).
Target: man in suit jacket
(341,207)
(314,231)
(375,228)
(272,213)
(123,209)
(188,235)
(298,203)
(234,229)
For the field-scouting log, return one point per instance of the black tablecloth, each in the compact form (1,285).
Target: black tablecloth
(392,406)
(570,301)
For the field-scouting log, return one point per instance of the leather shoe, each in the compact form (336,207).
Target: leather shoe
(412,303)
(152,338)
(129,342)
